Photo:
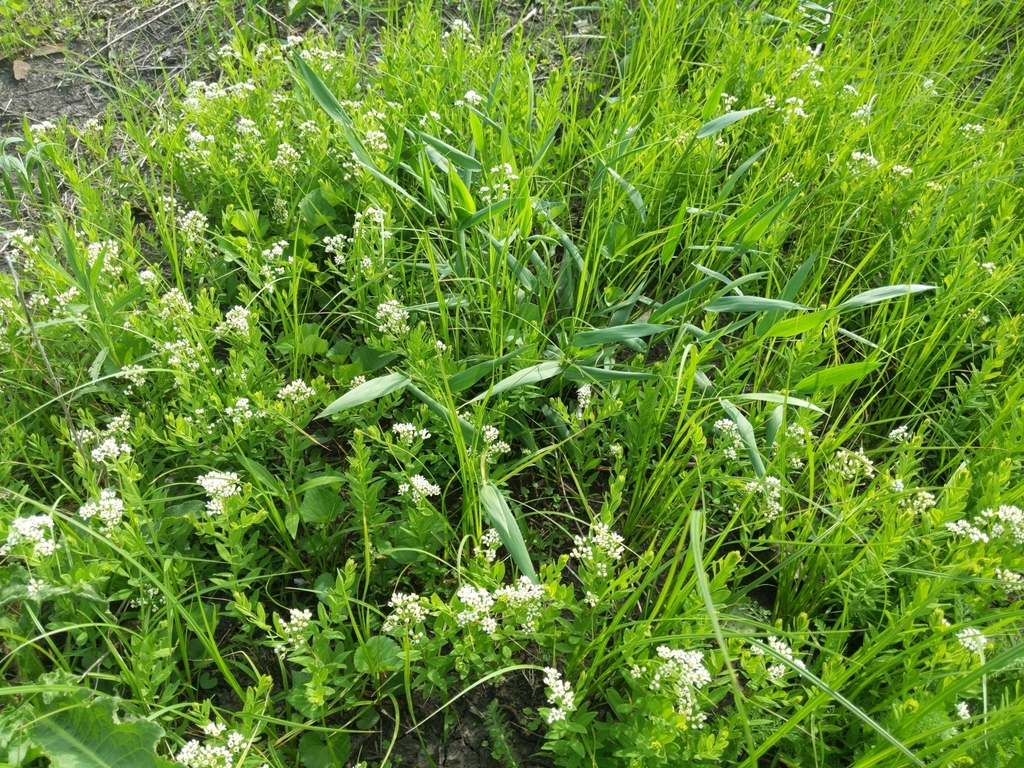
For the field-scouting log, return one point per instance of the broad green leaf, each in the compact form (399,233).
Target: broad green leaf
(632,193)
(617,333)
(837,376)
(467,378)
(771,397)
(743,218)
(445,414)
(79,732)
(712,127)
(365,392)
(756,232)
(773,425)
(885,293)
(320,505)
(678,302)
(746,435)
(735,176)
(789,293)
(457,158)
(318,751)
(529,375)
(589,373)
(378,654)
(488,213)
(794,326)
(505,523)
(750,304)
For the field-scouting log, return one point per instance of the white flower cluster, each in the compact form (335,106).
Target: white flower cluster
(584,396)
(797,437)
(1004,575)
(972,640)
(149,596)
(419,488)
(560,696)
(108,251)
(861,161)
(219,486)
(992,524)
(524,596)
(109,508)
(770,488)
(296,392)
(477,603)
(918,503)
(852,465)
(392,318)
(192,225)
(963,711)
(778,671)
(110,450)
(972,130)
(601,548)
(196,755)
(372,220)
(287,158)
(242,411)
(500,187)
(236,323)
(376,140)
(407,433)
(472,98)
(902,170)
(490,542)
(336,244)
(407,613)
(199,144)
(173,304)
(293,630)
(183,354)
(812,68)
(794,108)
(729,434)
(35,588)
(493,447)
(459,30)
(900,434)
(36,530)
(686,673)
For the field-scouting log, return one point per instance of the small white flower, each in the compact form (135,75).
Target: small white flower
(296,392)
(473,98)
(973,640)
(900,434)
(109,509)
(419,488)
(36,530)
(972,130)
(110,450)
(393,318)
(963,711)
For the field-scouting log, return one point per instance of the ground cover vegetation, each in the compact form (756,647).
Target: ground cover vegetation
(670,379)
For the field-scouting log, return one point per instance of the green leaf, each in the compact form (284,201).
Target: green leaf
(467,378)
(457,158)
(631,193)
(789,293)
(589,373)
(379,654)
(678,302)
(837,376)
(365,392)
(505,523)
(794,326)
(750,304)
(746,435)
(885,293)
(80,732)
(485,214)
(712,127)
(316,751)
(532,374)
(320,505)
(770,397)
(756,232)
(617,333)
(731,181)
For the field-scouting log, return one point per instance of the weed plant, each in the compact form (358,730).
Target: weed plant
(676,380)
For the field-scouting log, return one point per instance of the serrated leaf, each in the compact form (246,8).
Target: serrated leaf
(505,523)
(885,293)
(618,333)
(79,732)
(532,374)
(365,392)
(837,376)
(712,127)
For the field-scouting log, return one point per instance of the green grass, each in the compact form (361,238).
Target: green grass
(650,321)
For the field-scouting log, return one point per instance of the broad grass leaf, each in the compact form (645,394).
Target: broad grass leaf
(589,373)
(794,326)
(884,293)
(80,732)
(788,293)
(530,375)
(837,376)
(465,379)
(489,212)
(750,304)
(712,127)
(632,193)
(735,176)
(618,333)
(771,397)
(445,414)
(365,392)
(678,302)
(746,435)
(456,157)
(505,523)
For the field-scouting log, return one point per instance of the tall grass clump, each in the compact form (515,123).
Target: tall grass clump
(664,394)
